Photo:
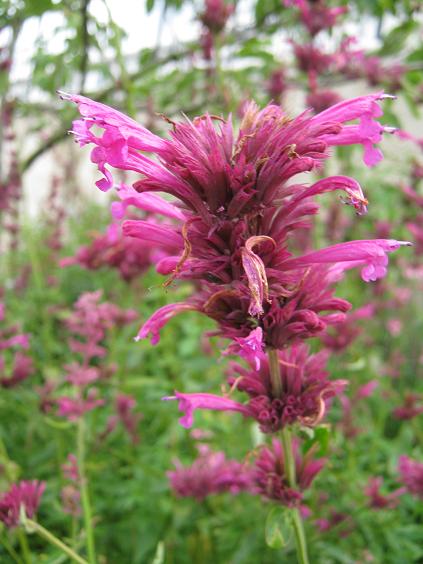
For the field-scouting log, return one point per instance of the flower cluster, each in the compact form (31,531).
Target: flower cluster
(88,323)
(239,205)
(411,474)
(15,365)
(270,475)
(26,495)
(125,414)
(301,396)
(211,473)
(129,256)
(70,494)
(377,500)
(315,15)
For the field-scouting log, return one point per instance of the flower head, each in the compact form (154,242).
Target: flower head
(270,474)
(26,495)
(305,390)
(377,500)
(211,473)
(411,474)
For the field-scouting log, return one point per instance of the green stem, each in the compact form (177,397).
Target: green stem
(86,506)
(12,552)
(23,541)
(35,527)
(289,459)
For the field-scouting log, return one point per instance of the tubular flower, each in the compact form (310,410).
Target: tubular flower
(270,478)
(23,494)
(304,384)
(211,473)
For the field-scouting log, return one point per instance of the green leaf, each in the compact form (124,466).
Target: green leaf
(396,38)
(321,437)
(278,527)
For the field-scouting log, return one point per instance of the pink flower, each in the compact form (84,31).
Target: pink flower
(188,403)
(409,409)
(378,500)
(311,59)
(72,408)
(216,14)
(370,254)
(70,469)
(22,368)
(321,100)
(366,390)
(125,254)
(304,384)
(125,406)
(23,494)
(316,16)
(343,334)
(71,500)
(238,205)
(277,85)
(80,375)
(411,475)
(249,348)
(271,481)
(211,473)
(305,389)
(368,132)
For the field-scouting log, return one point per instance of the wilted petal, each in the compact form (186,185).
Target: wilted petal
(256,273)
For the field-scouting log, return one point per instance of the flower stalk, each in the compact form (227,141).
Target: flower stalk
(289,460)
(34,527)
(86,505)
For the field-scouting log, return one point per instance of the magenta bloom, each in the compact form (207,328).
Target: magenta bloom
(128,256)
(125,409)
(277,85)
(376,499)
(304,384)
(70,469)
(15,365)
(411,475)
(72,408)
(315,15)
(216,14)
(410,408)
(23,494)
(238,206)
(90,321)
(211,473)
(270,479)
(22,368)
(343,334)
(305,389)
(321,100)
